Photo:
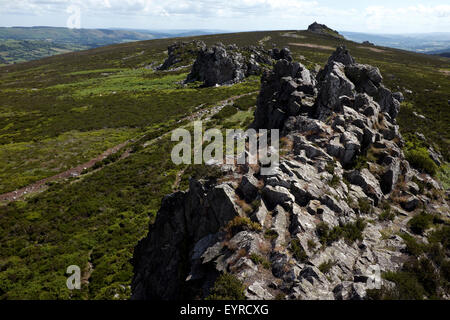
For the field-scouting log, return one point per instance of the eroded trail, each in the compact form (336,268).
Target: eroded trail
(73,172)
(41,185)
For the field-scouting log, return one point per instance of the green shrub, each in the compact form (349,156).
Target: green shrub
(334,182)
(239,224)
(407,287)
(380,294)
(247,122)
(420,222)
(227,287)
(387,215)
(420,159)
(325,267)
(436,253)
(297,251)
(441,236)
(422,185)
(330,167)
(351,232)
(426,274)
(311,244)
(260,260)
(226,112)
(255,204)
(365,205)
(326,235)
(444,176)
(270,234)
(445,270)
(427,268)
(246,102)
(412,246)
(361,162)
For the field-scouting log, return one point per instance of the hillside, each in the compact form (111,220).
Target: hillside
(429,43)
(63,111)
(17,51)
(20,44)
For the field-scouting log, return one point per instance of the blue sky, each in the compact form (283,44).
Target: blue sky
(395,16)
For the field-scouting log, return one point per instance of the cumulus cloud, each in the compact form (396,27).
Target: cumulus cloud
(268,13)
(378,17)
(204,8)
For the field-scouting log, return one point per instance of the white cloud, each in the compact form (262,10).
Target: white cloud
(248,14)
(381,17)
(172,7)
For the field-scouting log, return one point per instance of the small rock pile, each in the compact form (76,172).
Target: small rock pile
(274,233)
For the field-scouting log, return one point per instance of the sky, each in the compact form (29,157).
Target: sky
(382,16)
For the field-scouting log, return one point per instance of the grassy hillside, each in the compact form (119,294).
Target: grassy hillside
(20,44)
(88,37)
(429,43)
(16,51)
(61,111)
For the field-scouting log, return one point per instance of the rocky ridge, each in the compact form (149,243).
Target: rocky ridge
(311,230)
(181,52)
(220,64)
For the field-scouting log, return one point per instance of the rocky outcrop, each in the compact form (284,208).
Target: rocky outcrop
(182,53)
(315,227)
(220,65)
(283,54)
(343,78)
(185,227)
(288,90)
(324,30)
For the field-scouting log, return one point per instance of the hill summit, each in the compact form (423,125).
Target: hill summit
(323,29)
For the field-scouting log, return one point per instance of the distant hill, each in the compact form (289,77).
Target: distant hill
(16,51)
(442,52)
(87,37)
(20,44)
(429,43)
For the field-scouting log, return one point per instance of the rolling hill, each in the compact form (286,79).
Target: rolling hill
(88,131)
(429,43)
(20,44)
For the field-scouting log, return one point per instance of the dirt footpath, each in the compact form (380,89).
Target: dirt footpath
(73,172)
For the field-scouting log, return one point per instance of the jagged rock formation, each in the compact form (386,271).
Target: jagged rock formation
(185,218)
(220,65)
(181,52)
(324,30)
(287,90)
(314,222)
(283,54)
